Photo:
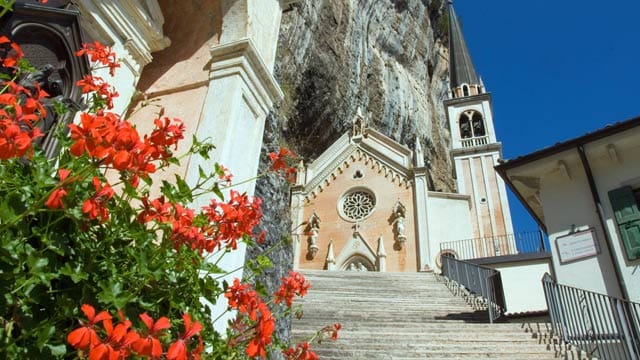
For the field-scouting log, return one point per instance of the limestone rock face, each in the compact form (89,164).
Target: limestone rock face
(387,57)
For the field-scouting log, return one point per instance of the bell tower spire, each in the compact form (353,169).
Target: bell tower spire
(463,76)
(475,147)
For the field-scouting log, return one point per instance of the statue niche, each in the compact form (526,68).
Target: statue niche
(398,218)
(49,36)
(313,228)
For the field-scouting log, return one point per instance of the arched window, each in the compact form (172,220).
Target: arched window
(471,124)
(478,124)
(465,127)
(465,90)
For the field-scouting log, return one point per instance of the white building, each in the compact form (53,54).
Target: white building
(585,193)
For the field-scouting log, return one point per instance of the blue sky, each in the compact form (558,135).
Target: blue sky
(555,69)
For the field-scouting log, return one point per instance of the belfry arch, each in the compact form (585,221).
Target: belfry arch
(472,124)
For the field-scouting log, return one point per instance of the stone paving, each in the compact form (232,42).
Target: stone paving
(411,316)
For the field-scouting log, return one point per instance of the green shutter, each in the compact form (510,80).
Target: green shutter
(625,209)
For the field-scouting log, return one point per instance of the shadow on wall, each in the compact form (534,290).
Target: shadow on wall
(193,26)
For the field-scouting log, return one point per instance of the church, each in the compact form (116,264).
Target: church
(364,203)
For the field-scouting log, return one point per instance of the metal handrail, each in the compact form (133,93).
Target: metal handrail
(509,244)
(479,280)
(603,326)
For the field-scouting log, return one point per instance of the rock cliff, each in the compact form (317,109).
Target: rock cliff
(388,57)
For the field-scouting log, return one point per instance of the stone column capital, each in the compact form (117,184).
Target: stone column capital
(241,58)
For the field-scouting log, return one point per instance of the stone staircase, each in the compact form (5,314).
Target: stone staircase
(410,316)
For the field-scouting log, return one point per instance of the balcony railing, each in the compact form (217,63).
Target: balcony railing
(605,327)
(478,280)
(510,244)
(475,141)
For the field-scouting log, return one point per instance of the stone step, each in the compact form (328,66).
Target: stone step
(352,354)
(409,316)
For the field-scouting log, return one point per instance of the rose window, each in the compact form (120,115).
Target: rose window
(358,204)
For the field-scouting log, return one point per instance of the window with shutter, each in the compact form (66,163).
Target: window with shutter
(625,203)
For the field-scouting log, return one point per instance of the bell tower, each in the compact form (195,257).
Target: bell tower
(475,148)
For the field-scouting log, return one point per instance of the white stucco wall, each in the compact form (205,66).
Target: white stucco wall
(567,205)
(609,174)
(522,284)
(449,220)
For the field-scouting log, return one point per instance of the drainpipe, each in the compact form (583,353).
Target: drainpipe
(598,204)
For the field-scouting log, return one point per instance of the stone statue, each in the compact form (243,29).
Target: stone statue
(313,230)
(399,215)
(358,124)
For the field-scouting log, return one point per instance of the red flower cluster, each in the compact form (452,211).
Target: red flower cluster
(13,54)
(179,349)
(55,199)
(20,109)
(96,206)
(183,230)
(233,219)
(121,341)
(301,352)
(102,89)
(116,143)
(100,53)
(228,221)
(294,284)
(333,330)
(247,301)
(279,162)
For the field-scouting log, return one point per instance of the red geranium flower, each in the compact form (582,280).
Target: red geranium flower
(150,345)
(84,337)
(178,350)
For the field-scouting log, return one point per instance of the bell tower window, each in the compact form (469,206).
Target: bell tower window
(472,128)
(478,124)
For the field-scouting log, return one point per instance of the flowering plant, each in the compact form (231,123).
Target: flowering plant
(86,230)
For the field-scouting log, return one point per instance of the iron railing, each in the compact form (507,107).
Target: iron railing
(510,244)
(603,326)
(479,280)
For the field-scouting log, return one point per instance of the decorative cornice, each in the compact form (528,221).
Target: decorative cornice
(475,150)
(138,26)
(241,58)
(396,175)
(468,99)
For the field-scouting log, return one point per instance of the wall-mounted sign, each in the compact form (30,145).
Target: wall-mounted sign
(578,245)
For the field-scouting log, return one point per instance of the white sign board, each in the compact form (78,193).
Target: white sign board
(577,246)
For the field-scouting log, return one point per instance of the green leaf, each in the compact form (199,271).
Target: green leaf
(44,335)
(57,350)
(264,262)
(217,192)
(173,160)
(184,189)
(112,294)
(76,274)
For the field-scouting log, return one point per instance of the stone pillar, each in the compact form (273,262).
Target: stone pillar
(331,259)
(382,256)
(421,218)
(240,94)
